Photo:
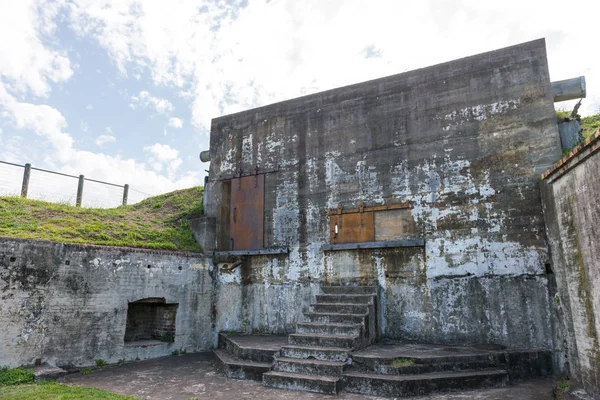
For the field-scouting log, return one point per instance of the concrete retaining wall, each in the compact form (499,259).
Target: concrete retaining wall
(572,208)
(465,141)
(67,304)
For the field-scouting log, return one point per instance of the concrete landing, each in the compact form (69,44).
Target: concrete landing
(192,375)
(259,342)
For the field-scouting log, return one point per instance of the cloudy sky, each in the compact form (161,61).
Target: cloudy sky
(124,91)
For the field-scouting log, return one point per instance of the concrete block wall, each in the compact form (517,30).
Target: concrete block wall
(571,191)
(66,304)
(465,141)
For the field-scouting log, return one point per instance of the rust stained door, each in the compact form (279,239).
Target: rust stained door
(247,212)
(352,228)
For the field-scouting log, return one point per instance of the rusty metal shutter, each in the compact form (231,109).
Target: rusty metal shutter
(247,212)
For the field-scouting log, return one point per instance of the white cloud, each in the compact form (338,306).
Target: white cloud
(162,152)
(102,139)
(83,126)
(175,122)
(145,100)
(89,107)
(163,156)
(29,67)
(217,50)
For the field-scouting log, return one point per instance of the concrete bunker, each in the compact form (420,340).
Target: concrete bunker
(150,319)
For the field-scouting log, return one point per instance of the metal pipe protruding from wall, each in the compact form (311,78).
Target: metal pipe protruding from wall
(569,89)
(205,156)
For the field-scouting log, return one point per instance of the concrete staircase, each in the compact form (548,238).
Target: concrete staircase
(335,349)
(404,377)
(246,357)
(343,319)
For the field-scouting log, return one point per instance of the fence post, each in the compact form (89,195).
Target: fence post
(79,191)
(125,194)
(25,186)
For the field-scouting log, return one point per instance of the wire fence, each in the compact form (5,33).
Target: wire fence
(40,184)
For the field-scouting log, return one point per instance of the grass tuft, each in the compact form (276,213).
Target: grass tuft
(141,225)
(402,362)
(590,124)
(15,376)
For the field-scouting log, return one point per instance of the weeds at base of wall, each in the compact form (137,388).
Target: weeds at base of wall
(561,387)
(178,352)
(15,376)
(101,363)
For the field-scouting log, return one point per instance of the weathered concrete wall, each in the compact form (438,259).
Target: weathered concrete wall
(571,193)
(465,141)
(67,304)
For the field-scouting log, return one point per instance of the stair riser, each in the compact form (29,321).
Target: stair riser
(332,330)
(331,355)
(336,319)
(436,363)
(312,369)
(301,384)
(424,368)
(349,290)
(420,387)
(352,299)
(246,354)
(346,343)
(341,308)
(240,372)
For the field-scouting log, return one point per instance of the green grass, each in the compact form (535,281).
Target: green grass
(590,124)
(15,376)
(158,222)
(56,391)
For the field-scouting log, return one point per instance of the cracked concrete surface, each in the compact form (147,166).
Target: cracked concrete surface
(192,375)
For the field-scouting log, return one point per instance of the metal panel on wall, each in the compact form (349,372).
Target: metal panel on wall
(247,212)
(352,228)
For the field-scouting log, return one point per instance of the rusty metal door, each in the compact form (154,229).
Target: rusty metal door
(352,228)
(247,212)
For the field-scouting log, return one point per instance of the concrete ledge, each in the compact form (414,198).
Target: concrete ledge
(259,252)
(374,245)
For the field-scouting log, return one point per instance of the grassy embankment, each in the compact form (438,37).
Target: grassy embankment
(158,222)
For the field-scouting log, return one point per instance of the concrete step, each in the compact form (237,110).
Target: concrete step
(384,362)
(346,298)
(47,372)
(317,353)
(336,318)
(323,340)
(331,329)
(349,289)
(233,367)
(415,369)
(422,384)
(340,308)
(251,348)
(309,366)
(309,383)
